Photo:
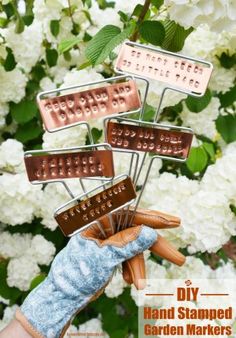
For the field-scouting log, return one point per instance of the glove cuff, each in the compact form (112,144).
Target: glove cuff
(31,330)
(26,325)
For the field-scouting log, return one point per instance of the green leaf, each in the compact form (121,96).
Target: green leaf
(51,57)
(3,22)
(226,126)
(227,99)
(20,25)
(6,291)
(66,45)
(10,62)
(96,133)
(157,3)
(87,37)
(38,72)
(105,41)
(233,208)
(210,149)
(28,19)
(24,111)
(197,104)
(67,56)
(29,131)
(84,65)
(9,10)
(175,36)
(197,159)
(55,27)
(137,10)
(123,17)
(37,280)
(227,61)
(152,32)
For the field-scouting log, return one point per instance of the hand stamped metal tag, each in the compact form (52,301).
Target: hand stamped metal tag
(78,217)
(64,110)
(62,164)
(179,71)
(149,137)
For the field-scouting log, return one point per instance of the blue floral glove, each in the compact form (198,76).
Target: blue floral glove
(77,276)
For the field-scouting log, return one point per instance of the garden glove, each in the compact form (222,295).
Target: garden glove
(77,276)
(134,268)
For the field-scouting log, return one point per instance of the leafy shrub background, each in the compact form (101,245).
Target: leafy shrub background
(46,44)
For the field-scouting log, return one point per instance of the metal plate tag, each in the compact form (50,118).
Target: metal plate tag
(89,210)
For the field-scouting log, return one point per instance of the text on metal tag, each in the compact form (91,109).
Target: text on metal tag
(175,70)
(98,205)
(149,139)
(81,106)
(70,165)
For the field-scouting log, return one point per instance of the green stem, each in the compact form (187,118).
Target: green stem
(146,5)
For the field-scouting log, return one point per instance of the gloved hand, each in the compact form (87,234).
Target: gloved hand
(134,268)
(77,276)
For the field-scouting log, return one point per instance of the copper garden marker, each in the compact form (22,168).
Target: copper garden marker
(150,138)
(65,110)
(69,165)
(83,213)
(188,74)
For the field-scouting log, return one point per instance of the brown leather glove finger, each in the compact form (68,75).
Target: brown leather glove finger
(152,218)
(134,269)
(166,250)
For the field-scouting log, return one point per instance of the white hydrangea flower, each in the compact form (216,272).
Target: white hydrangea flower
(226,270)
(209,218)
(201,43)
(12,85)
(220,176)
(8,315)
(101,18)
(4,109)
(54,195)
(21,271)
(126,6)
(203,123)
(20,196)
(11,155)
(222,79)
(4,300)
(49,10)
(192,268)
(70,137)
(116,285)
(206,44)
(219,15)
(47,84)
(122,162)
(93,326)
(78,77)
(170,98)
(41,250)
(27,50)
(14,245)
(207,221)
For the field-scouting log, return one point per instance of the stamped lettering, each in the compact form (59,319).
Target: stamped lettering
(149,139)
